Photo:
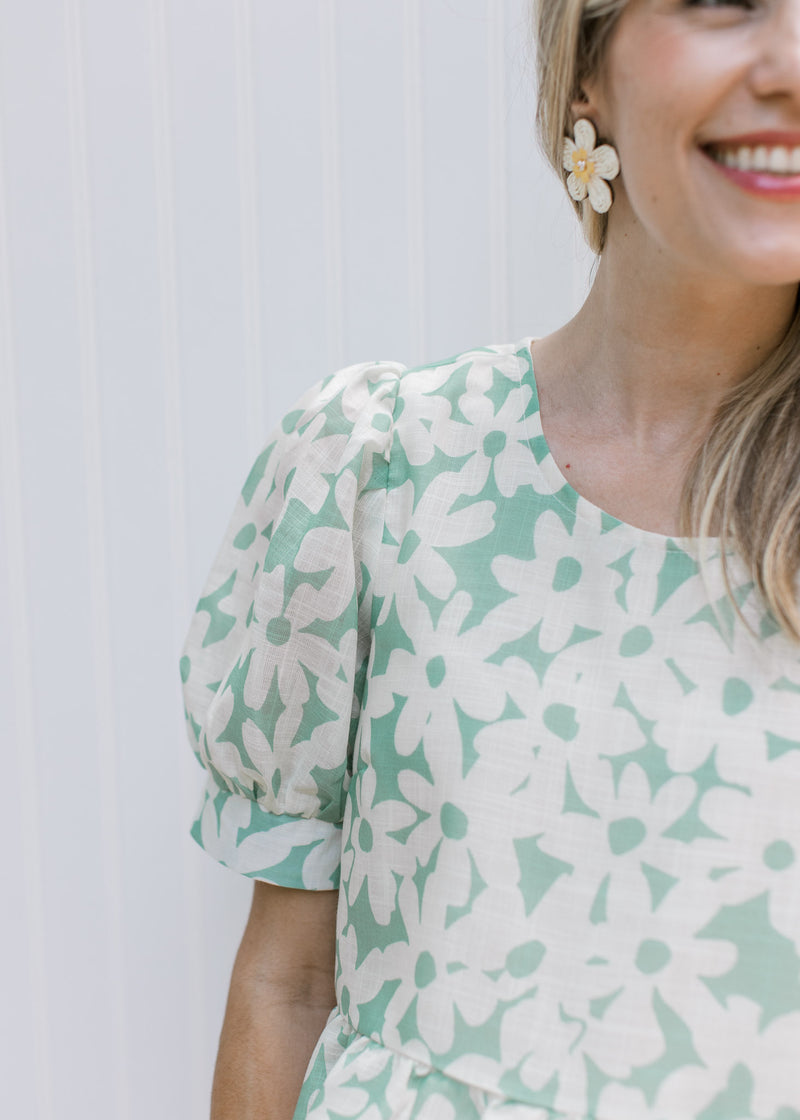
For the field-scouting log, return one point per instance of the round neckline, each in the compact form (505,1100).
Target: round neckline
(585,509)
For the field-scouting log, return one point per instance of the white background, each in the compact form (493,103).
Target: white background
(205,206)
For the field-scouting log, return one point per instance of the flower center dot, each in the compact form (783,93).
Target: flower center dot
(582,165)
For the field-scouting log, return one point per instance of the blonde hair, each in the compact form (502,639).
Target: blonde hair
(744,482)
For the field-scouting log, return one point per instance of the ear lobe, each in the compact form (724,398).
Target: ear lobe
(583,110)
(588,103)
(586,110)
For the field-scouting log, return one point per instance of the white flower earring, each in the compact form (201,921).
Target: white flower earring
(589,166)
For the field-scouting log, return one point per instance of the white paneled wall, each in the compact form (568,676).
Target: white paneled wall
(205,206)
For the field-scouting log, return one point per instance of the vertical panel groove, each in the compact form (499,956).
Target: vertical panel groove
(39,1073)
(415,185)
(100,611)
(331,182)
(249,225)
(194,1020)
(498,191)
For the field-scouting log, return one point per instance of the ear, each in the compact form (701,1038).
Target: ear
(590,103)
(586,103)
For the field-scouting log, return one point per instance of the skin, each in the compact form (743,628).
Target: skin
(699,277)
(280,996)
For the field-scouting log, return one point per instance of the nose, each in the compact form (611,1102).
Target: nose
(777,69)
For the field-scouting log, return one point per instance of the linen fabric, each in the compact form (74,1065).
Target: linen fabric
(554,775)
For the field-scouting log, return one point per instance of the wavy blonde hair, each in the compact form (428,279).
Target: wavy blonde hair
(744,482)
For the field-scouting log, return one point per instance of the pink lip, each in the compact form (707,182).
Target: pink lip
(761,182)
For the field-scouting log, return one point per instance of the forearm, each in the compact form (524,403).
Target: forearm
(280,997)
(266,1042)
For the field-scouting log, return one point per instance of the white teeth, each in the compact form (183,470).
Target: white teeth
(778,160)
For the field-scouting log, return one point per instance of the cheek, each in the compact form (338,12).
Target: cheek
(654,53)
(646,166)
(656,132)
(667,81)
(653,177)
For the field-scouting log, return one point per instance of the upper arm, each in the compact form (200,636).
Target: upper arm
(289,942)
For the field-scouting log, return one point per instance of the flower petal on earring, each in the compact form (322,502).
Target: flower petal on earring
(578,189)
(600,197)
(606,161)
(566,154)
(585,135)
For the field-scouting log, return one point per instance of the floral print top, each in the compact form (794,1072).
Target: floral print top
(554,775)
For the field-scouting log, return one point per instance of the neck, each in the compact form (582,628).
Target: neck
(656,349)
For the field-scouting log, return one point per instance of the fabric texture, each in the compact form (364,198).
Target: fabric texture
(555,776)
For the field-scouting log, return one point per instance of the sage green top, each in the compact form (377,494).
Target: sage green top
(556,777)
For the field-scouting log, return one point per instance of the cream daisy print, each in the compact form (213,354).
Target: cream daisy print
(556,788)
(589,167)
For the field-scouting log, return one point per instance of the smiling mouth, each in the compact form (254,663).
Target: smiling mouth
(769,159)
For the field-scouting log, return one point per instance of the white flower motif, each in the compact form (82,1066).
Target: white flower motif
(762,848)
(552,542)
(588,166)
(454,670)
(419,555)
(371,851)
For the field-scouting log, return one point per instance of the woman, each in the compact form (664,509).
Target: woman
(520,650)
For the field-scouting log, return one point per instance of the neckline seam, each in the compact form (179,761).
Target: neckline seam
(645,537)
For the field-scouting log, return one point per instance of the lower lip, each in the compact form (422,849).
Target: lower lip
(761,182)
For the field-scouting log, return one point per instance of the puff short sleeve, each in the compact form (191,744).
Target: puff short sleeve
(276,654)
